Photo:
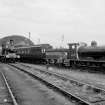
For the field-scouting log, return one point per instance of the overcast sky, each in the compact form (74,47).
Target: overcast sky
(49,20)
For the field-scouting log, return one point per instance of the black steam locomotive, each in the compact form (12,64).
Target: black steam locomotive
(86,56)
(8,54)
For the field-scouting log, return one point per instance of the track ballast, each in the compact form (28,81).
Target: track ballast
(75,90)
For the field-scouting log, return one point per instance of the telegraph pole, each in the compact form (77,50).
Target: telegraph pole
(38,40)
(62,39)
(29,35)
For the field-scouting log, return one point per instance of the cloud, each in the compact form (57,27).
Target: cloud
(49,19)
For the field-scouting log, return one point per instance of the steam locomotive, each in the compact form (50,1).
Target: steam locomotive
(86,56)
(75,55)
(8,54)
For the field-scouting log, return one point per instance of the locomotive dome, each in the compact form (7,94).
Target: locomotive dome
(93,43)
(19,41)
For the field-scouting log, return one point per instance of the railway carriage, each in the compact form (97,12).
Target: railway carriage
(34,54)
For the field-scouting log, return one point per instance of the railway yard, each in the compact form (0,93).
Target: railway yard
(36,85)
(42,75)
(52,52)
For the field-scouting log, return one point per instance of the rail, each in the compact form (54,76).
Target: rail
(9,90)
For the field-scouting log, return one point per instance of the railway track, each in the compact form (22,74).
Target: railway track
(79,92)
(99,86)
(6,95)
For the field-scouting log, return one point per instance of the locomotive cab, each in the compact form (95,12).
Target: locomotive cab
(72,54)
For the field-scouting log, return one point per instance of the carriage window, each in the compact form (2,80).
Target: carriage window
(43,50)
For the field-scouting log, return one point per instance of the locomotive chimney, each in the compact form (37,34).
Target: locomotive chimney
(93,43)
(11,46)
(11,42)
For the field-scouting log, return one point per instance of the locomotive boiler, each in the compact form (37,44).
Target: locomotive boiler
(91,53)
